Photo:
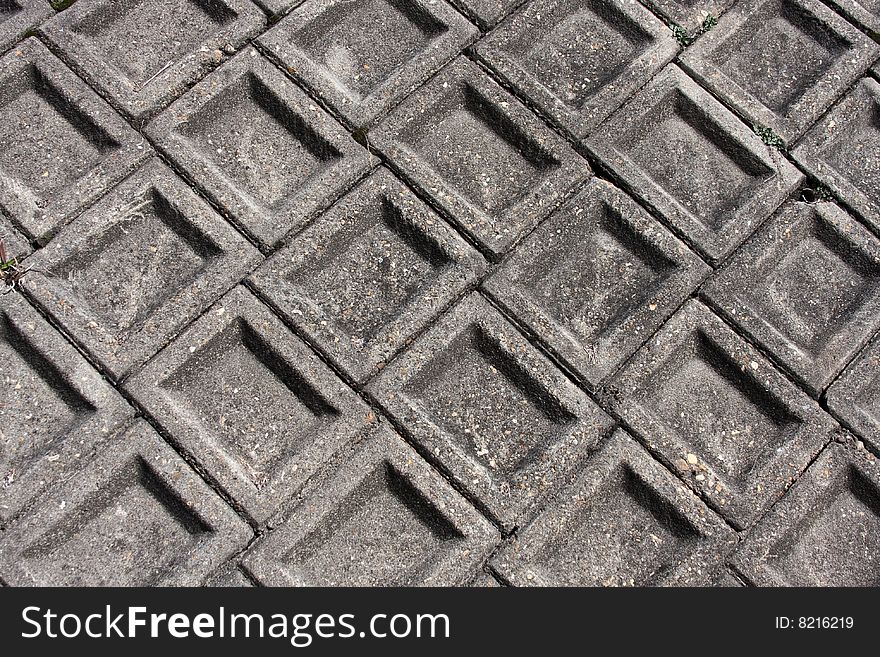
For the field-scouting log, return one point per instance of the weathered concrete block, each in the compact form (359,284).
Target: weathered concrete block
(689,14)
(824,532)
(16,245)
(485,580)
(62,145)
(781,63)
(483,157)
(843,150)
(250,403)
(624,521)
(259,147)
(382,518)
(693,161)
(726,579)
(369,274)
(229,576)
(862,12)
(579,61)
(596,280)
(141,54)
(719,414)
(490,409)
(805,288)
(126,276)
(486,13)
(855,397)
(364,56)
(135,516)
(17,17)
(54,407)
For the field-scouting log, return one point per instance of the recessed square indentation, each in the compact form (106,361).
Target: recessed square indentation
(499,170)
(719,414)
(250,402)
(623,521)
(490,408)
(381,517)
(369,273)
(855,397)
(808,288)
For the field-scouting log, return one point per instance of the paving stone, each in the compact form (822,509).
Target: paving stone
(250,402)
(486,13)
(17,17)
(862,12)
(276,8)
(855,396)
(689,14)
(63,145)
(230,577)
(260,148)
(141,54)
(16,245)
(133,270)
(781,63)
(692,161)
(135,516)
(54,407)
(490,409)
(596,280)
(482,156)
(718,413)
(726,579)
(364,56)
(624,521)
(824,532)
(369,274)
(806,289)
(842,150)
(382,518)
(578,61)
(485,580)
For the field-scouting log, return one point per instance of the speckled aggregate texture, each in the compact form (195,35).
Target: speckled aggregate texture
(479,293)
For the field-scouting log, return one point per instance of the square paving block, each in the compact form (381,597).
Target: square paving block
(781,63)
(250,403)
(490,409)
(624,521)
(855,396)
(259,147)
(689,14)
(16,245)
(62,145)
(369,274)
(824,532)
(807,288)
(486,13)
(141,54)
(693,161)
(843,150)
(135,516)
(382,518)
(54,407)
(596,280)
(862,12)
(578,61)
(138,266)
(719,414)
(17,17)
(364,56)
(483,157)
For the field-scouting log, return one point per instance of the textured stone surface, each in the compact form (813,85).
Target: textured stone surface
(383,518)
(55,410)
(855,397)
(825,532)
(862,12)
(805,288)
(490,409)
(136,516)
(689,14)
(62,145)
(364,56)
(369,274)
(259,147)
(597,279)
(625,521)
(694,162)
(137,267)
(781,62)
(484,158)
(17,17)
(578,61)
(719,414)
(486,13)
(250,403)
